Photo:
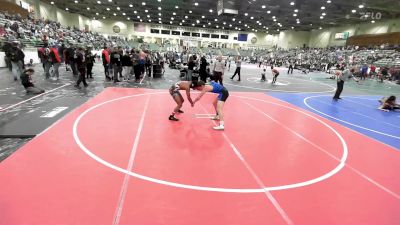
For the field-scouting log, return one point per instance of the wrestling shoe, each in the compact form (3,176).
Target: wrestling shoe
(215,117)
(173,118)
(220,127)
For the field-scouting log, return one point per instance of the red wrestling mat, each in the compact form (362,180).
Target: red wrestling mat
(117,159)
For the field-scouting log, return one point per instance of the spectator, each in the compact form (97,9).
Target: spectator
(17,60)
(26,80)
(80,62)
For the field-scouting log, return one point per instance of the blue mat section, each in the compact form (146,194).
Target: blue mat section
(359,113)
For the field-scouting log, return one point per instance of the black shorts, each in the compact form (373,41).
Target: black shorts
(223,95)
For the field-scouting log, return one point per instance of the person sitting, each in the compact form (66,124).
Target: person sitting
(388,104)
(26,80)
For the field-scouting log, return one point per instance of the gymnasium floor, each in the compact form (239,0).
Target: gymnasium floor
(288,155)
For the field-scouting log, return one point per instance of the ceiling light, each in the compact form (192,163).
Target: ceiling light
(76,1)
(203,17)
(324,14)
(209,23)
(138,17)
(159,18)
(353,11)
(197,21)
(108,9)
(124,14)
(252,18)
(196,4)
(204,25)
(361,6)
(186,17)
(118,8)
(146,11)
(233,19)
(148,16)
(172,18)
(52,3)
(192,24)
(215,19)
(190,11)
(135,11)
(130,5)
(224,23)
(159,21)
(295,15)
(322,7)
(291,3)
(114,14)
(329,1)
(246,14)
(104,17)
(143,3)
(159,0)
(141,20)
(321,17)
(292,28)
(274,20)
(159,8)
(66,9)
(170,22)
(373,21)
(109,0)
(183,21)
(211,10)
(88,8)
(263,6)
(174,13)
(176,7)
(240,21)
(320,28)
(128,18)
(180,24)
(97,14)
(298,22)
(159,14)
(268,12)
(296,10)
(217,26)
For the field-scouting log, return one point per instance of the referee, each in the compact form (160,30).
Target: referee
(343,76)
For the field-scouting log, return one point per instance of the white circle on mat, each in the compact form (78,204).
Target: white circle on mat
(205,188)
(343,121)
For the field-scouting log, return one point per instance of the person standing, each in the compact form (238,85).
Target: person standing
(191,65)
(126,65)
(148,63)
(17,57)
(219,69)
(105,55)
(89,57)
(54,57)
(218,103)
(72,57)
(176,95)
(343,76)
(116,63)
(238,67)
(203,69)
(275,74)
(290,67)
(80,62)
